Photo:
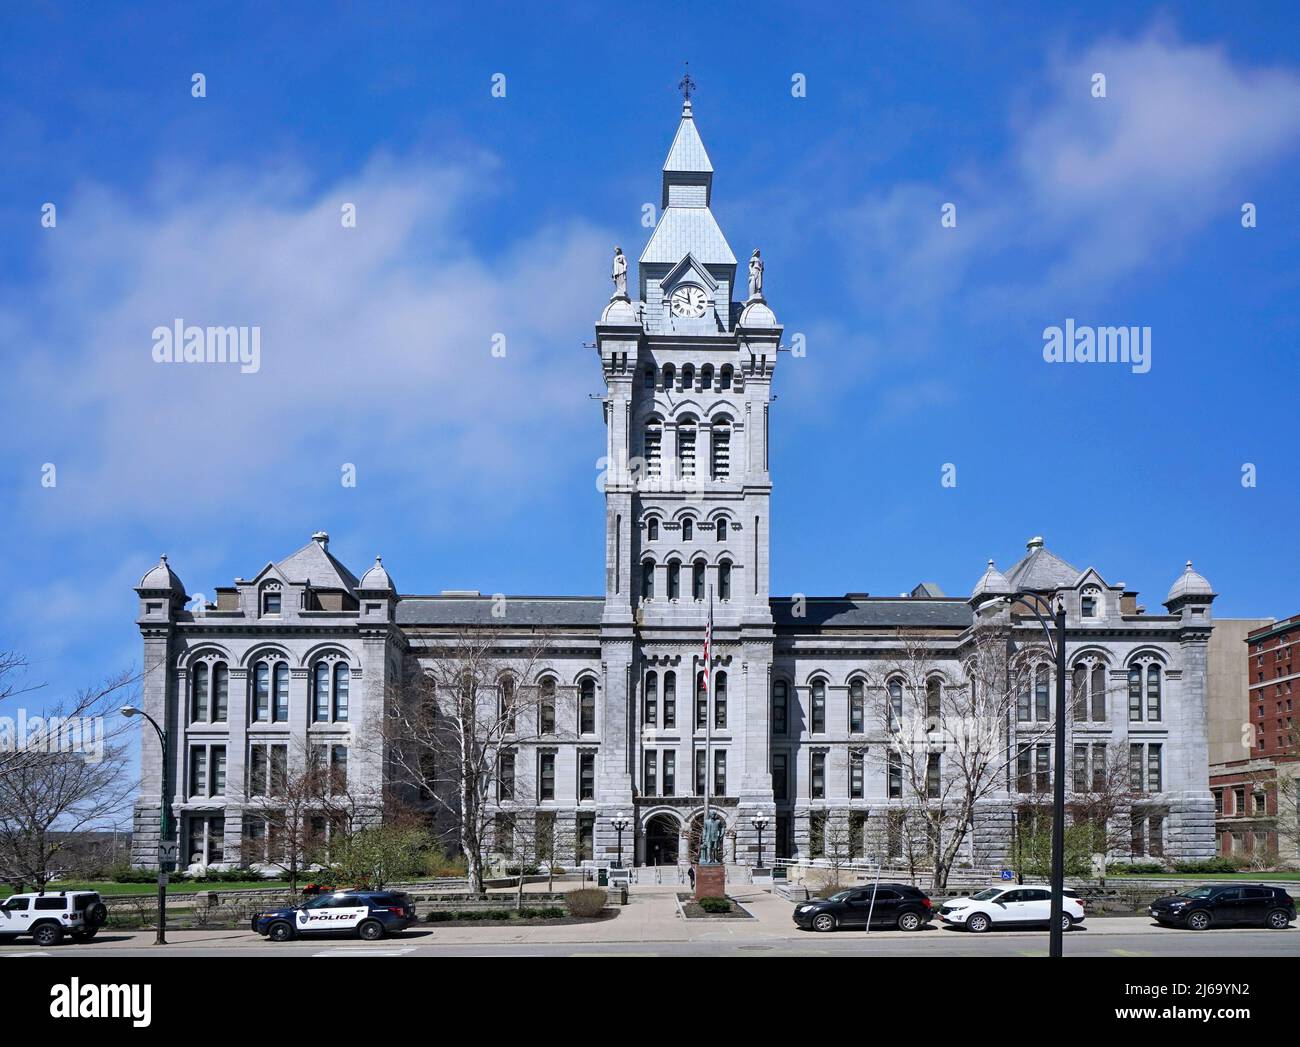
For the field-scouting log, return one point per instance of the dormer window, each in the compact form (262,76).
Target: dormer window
(270,603)
(1090,602)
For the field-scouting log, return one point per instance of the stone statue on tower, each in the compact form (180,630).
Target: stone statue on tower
(755,276)
(619,274)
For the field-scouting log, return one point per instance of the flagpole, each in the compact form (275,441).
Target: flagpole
(708,717)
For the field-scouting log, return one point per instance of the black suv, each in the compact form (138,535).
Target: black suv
(896,905)
(1225,905)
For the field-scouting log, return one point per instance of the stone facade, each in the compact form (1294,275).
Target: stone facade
(797,683)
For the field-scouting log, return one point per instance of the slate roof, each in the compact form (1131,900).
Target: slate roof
(687,152)
(315,564)
(551,611)
(1042,570)
(881,613)
(683,229)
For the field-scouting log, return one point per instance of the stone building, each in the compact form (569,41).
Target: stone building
(299,659)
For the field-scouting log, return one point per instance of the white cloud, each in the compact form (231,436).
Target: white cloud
(1090,191)
(375,342)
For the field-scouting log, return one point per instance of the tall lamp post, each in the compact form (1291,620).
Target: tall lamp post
(1040,606)
(164,826)
(759,822)
(620,823)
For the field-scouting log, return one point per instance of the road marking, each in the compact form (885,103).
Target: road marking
(365,952)
(16,955)
(1129,952)
(1032,952)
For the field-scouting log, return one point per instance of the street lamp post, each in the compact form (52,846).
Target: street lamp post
(759,822)
(1039,605)
(164,826)
(620,823)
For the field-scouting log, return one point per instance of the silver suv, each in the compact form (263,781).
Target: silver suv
(48,916)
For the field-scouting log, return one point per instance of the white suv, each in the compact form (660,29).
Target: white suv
(47,917)
(1010,906)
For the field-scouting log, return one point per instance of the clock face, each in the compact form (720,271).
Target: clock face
(689,300)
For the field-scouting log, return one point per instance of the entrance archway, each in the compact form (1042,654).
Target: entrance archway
(662,834)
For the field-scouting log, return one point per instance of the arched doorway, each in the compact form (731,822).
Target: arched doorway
(661,838)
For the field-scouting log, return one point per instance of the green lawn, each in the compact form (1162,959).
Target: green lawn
(152,888)
(1253,877)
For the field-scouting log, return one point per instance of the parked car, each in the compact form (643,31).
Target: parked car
(1226,905)
(50,915)
(367,914)
(895,905)
(1021,905)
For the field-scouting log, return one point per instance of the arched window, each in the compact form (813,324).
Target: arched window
(697,580)
(701,703)
(721,450)
(1090,602)
(1135,693)
(857,707)
(724,377)
(654,445)
(686,431)
(652,697)
(652,529)
(933,698)
(670,699)
(506,699)
(895,702)
(261,692)
(1088,690)
(818,711)
(780,707)
(320,709)
(1041,703)
(724,580)
(1153,692)
(706,377)
(342,680)
(546,706)
(688,530)
(220,692)
(648,580)
(670,375)
(688,378)
(722,529)
(199,693)
(674,579)
(587,706)
(648,378)
(281,693)
(719,700)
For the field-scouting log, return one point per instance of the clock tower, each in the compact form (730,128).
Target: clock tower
(688,367)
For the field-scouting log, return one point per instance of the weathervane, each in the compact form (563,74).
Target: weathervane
(687,85)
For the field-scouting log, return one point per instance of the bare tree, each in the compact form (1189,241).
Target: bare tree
(295,816)
(949,738)
(63,771)
(1102,798)
(457,729)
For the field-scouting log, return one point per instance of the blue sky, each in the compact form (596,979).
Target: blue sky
(479,215)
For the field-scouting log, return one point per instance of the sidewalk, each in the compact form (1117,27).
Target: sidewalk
(651,915)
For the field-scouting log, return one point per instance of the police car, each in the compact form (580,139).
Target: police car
(48,916)
(368,914)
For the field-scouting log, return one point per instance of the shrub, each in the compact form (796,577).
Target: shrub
(589,901)
(824,891)
(1206,865)
(127,874)
(529,870)
(1128,868)
(717,905)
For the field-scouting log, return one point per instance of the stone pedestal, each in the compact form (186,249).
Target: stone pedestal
(710,881)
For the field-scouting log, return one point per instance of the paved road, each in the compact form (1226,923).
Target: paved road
(932,942)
